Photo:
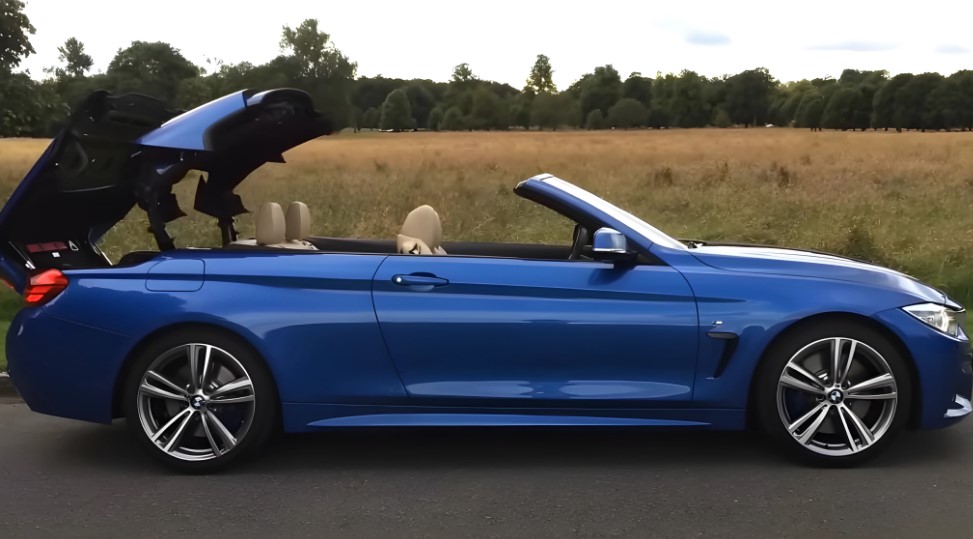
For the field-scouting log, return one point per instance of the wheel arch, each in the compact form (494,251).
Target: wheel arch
(118,390)
(893,339)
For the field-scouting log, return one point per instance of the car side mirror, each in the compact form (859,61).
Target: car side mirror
(610,245)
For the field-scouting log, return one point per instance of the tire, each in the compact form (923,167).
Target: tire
(200,424)
(818,421)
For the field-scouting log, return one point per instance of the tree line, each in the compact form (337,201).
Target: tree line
(601,99)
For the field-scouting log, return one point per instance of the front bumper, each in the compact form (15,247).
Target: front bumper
(943,366)
(62,368)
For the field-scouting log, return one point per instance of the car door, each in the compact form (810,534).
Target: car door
(507,330)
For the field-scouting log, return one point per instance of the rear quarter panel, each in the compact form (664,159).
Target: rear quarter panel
(309,315)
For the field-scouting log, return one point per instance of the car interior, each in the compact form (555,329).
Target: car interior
(421,233)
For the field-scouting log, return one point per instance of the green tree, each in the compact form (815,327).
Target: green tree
(317,66)
(371,118)
(883,104)
(154,69)
(230,77)
(553,111)
(721,118)
(910,101)
(862,114)
(460,91)
(463,74)
(76,62)
(938,109)
(790,98)
(628,113)
(73,90)
(70,80)
(453,120)
(748,96)
(357,116)
(638,88)
(663,92)
(541,79)
(396,112)
(865,84)
(315,52)
(435,119)
(595,120)
(28,108)
(371,92)
(520,109)
(421,102)
(687,105)
(193,92)
(601,90)
(854,77)
(811,110)
(15,32)
(950,102)
(487,111)
(839,113)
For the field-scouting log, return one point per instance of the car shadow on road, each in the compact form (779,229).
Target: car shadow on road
(505,448)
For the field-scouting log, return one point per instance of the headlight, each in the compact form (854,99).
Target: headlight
(940,317)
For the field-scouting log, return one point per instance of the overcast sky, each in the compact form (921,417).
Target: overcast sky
(500,38)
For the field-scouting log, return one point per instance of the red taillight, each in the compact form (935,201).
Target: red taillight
(44,286)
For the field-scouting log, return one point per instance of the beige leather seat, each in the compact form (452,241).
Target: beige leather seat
(271,228)
(421,233)
(297,225)
(269,224)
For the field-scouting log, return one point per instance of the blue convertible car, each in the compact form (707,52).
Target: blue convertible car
(207,352)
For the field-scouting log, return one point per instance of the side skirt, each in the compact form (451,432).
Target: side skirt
(301,417)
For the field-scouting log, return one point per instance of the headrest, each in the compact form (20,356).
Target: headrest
(423,224)
(298,220)
(407,245)
(270,224)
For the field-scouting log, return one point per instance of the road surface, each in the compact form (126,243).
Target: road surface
(61,478)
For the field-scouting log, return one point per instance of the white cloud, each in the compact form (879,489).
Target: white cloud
(707,38)
(855,46)
(953,49)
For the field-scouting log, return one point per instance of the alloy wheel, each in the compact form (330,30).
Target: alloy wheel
(196,402)
(837,396)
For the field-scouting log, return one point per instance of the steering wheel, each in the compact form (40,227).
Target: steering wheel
(581,238)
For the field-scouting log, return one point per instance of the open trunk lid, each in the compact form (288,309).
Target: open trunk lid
(117,152)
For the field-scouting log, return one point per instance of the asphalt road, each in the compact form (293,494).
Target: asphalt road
(61,478)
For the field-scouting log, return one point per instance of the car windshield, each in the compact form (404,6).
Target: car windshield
(653,234)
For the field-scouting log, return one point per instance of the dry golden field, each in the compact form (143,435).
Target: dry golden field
(900,199)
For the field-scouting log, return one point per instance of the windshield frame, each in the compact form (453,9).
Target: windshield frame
(637,225)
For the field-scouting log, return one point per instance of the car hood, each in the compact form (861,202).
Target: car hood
(784,261)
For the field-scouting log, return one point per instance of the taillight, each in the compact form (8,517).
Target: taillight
(44,286)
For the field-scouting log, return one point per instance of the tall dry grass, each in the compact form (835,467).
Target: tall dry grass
(897,199)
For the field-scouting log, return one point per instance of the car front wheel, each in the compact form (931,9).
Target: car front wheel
(833,393)
(199,400)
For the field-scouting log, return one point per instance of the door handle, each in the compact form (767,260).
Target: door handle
(419,281)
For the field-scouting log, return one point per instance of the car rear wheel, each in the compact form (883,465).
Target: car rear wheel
(200,400)
(834,393)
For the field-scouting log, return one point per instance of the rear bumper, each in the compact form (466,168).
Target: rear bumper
(945,374)
(64,369)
